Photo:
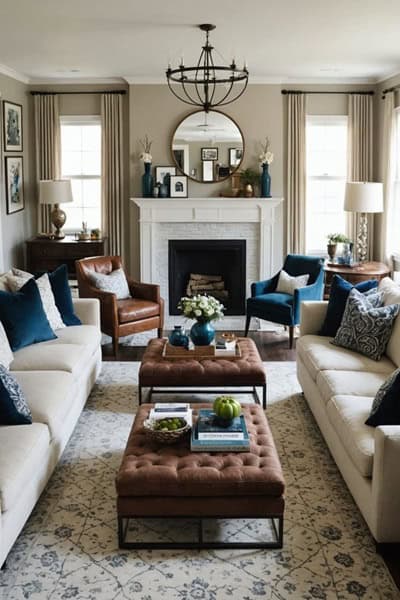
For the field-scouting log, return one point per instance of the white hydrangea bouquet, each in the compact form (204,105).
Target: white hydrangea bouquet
(145,156)
(201,307)
(266,157)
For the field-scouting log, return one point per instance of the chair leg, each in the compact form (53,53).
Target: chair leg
(248,319)
(159,332)
(115,344)
(291,336)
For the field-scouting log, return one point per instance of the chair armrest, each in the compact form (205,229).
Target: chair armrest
(264,287)
(312,316)
(145,291)
(87,310)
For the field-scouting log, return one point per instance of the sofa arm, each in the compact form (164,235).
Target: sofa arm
(312,316)
(88,310)
(386,484)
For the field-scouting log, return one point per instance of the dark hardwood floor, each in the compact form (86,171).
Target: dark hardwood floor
(272,347)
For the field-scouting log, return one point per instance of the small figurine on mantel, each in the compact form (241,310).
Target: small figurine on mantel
(84,234)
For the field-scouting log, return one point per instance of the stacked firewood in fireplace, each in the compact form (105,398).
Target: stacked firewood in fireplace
(212,285)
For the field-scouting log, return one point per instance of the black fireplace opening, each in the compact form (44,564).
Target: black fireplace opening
(213,267)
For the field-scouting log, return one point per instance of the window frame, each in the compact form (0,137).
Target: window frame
(325,120)
(80,120)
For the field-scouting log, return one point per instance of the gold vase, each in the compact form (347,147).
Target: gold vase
(248,190)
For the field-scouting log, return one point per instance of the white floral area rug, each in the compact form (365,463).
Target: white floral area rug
(68,548)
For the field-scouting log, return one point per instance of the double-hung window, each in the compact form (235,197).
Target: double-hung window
(81,163)
(326,169)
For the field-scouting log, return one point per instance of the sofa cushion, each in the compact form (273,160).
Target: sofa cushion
(347,415)
(386,405)
(6,355)
(391,295)
(50,395)
(351,383)
(50,357)
(318,354)
(27,448)
(14,409)
(135,310)
(85,335)
(339,292)
(365,328)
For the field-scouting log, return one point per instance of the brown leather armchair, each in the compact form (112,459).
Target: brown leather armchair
(144,311)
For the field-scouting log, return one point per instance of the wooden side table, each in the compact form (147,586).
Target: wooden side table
(46,255)
(361,272)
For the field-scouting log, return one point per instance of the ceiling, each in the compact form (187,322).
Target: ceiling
(285,41)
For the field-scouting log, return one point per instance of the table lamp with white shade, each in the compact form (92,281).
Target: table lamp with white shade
(56,191)
(363,197)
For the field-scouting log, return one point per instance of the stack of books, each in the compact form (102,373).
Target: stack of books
(209,436)
(170,410)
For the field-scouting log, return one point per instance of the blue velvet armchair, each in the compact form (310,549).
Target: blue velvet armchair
(265,303)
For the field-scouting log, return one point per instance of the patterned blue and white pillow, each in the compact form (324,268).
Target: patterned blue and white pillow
(115,282)
(14,409)
(366,328)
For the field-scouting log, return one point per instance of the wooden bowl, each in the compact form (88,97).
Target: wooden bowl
(164,437)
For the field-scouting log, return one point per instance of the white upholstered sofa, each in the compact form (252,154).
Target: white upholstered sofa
(339,386)
(56,378)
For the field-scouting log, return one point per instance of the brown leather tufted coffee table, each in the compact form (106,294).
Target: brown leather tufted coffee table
(158,372)
(156,481)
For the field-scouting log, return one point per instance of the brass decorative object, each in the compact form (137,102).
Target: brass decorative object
(56,192)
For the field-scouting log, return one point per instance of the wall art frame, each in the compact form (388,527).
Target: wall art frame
(12,126)
(14,178)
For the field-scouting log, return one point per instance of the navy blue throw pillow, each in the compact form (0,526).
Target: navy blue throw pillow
(340,290)
(14,409)
(386,406)
(23,317)
(62,295)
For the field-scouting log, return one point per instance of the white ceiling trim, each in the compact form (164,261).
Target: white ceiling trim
(76,80)
(386,77)
(259,80)
(13,74)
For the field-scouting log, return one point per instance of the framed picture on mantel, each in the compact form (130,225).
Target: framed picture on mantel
(179,186)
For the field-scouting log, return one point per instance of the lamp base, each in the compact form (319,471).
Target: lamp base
(362,237)
(58,218)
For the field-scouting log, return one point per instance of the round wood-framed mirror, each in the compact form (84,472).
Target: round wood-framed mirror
(207,147)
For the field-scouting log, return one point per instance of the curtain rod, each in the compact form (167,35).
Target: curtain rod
(285,92)
(391,89)
(36,93)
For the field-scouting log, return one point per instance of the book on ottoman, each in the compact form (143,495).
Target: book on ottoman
(209,436)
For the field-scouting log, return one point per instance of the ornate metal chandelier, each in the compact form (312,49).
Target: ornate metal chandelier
(207,85)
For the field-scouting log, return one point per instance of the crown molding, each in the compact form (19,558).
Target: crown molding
(76,80)
(387,77)
(262,80)
(4,70)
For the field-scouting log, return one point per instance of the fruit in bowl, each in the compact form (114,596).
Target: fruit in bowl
(226,408)
(166,431)
(170,424)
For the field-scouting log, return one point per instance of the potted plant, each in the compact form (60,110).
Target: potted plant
(333,240)
(249,179)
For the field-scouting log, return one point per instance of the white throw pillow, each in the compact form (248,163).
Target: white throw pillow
(3,281)
(19,278)
(6,355)
(391,295)
(115,283)
(287,283)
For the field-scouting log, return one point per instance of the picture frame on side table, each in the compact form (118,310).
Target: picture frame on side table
(12,126)
(209,154)
(14,176)
(161,172)
(179,186)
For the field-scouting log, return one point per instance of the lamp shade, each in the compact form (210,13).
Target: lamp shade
(363,197)
(55,191)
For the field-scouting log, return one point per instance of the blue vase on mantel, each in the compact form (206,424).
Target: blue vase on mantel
(202,333)
(265,182)
(147,181)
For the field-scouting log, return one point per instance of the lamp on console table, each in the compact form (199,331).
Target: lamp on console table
(56,191)
(363,198)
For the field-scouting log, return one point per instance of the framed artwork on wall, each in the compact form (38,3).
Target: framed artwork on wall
(161,172)
(12,124)
(179,186)
(209,154)
(14,184)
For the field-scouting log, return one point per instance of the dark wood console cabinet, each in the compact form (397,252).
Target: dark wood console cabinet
(46,255)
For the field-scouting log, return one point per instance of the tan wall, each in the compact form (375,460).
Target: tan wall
(17,227)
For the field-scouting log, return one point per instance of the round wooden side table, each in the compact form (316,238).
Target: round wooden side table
(361,272)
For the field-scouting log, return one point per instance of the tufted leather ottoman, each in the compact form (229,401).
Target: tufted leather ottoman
(157,372)
(171,481)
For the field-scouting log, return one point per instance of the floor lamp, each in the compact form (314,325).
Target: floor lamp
(363,198)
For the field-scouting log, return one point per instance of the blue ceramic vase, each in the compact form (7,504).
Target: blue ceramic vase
(202,333)
(178,337)
(147,181)
(265,182)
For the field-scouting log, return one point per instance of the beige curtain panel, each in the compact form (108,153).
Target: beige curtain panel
(360,131)
(48,148)
(112,171)
(296,174)
(390,219)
